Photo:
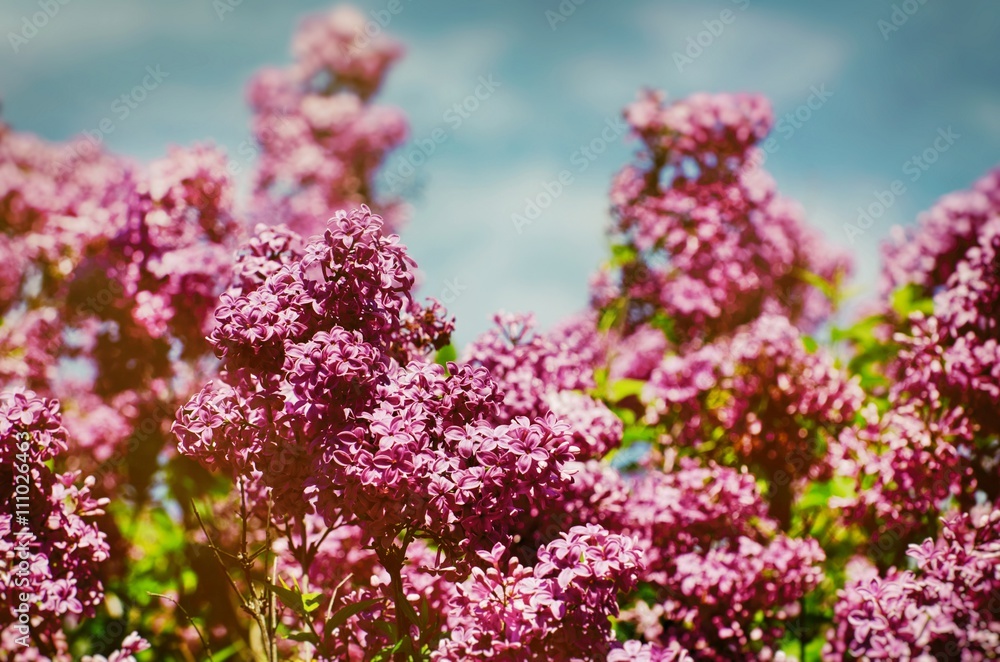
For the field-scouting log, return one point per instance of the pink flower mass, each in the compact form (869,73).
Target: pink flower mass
(233,427)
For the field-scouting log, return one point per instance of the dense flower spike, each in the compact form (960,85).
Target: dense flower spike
(905,468)
(678,473)
(321,138)
(557,610)
(121,263)
(952,358)
(776,405)
(928,255)
(51,553)
(540,374)
(935,449)
(945,608)
(704,243)
(324,402)
(713,563)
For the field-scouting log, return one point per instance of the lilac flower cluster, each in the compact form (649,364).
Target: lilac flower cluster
(725,584)
(952,358)
(905,467)
(705,244)
(945,608)
(928,255)
(539,374)
(321,139)
(52,555)
(328,400)
(557,610)
(935,449)
(762,395)
(114,263)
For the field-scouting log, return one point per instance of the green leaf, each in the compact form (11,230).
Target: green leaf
(409,611)
(304,636)
(344,613)
(386,628)
(810,344)
(623,254)
(828,289)
(310,601)
(387,652)
(910,299)
(623,388)
(664,323)
(818,495)
(608,318)
(291,598)
(446,354)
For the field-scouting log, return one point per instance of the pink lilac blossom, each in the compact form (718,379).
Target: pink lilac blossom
(53,554)
(121,262)
(905,468)
(712,558)
(952,358)
(945,607)
(928,254)
(557,610)
(637,651)
(636,355)
(725,583)
(132,645)
(704,239)
(321,139)
(328,397)
(935,449)
(778,405)
(540,373)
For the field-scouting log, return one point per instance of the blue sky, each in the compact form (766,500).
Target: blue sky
(558,85)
